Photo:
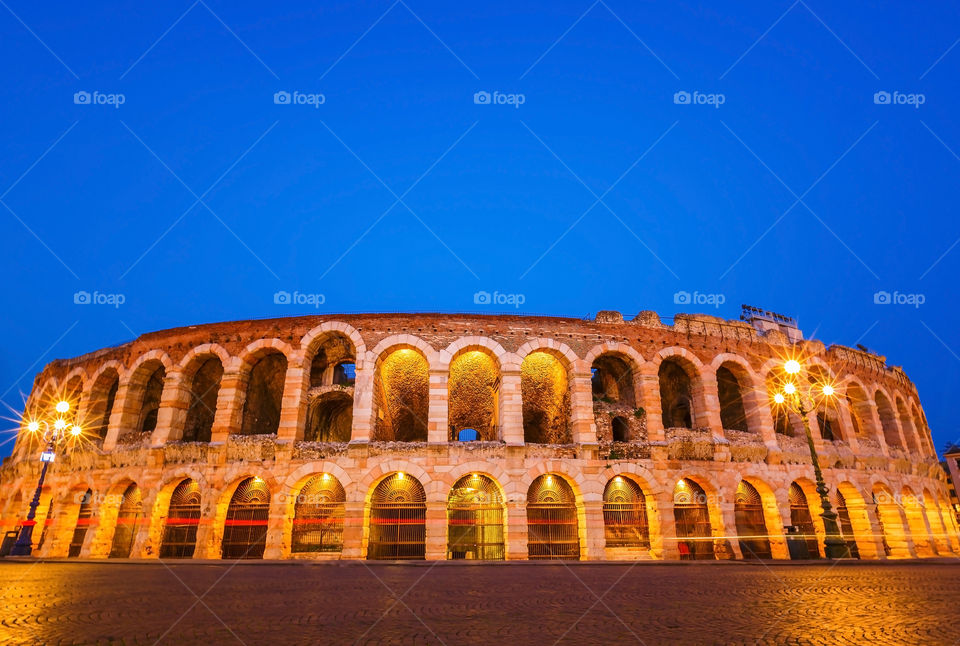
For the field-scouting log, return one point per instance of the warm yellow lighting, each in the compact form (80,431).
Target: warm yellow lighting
(828,390)
(789,388)
(326,476)
(400,475)
(779,398)
(63,406)
(549,480)
(33,427)
(792,366)
(76,430)
(618,479)
(257,479)
(60,424)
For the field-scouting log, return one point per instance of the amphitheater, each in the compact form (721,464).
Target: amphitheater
(449,436)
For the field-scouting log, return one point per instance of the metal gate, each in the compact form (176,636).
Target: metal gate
(552,522)
(245,528)
(183,517)
(751,525)
(398,513)
(846,527)
(84,517)
(475,519)
(801,519)
(625,514)
(128,517)
(694,532)
(318,516)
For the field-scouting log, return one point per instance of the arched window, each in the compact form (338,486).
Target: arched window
(846,526)
(888,421)
(102,397)
(150,406)
(129,514)
(84,518)
(906,423)
(401,397)
(694,533)
(801,519)
(544,386)
(204,388)
(245,527)
(612,380)
(829,426)
(676,395)
(733,415)
(854,417)
(261,408)
(620,429)
(398,512)
(474,394)
(475,519)
(625,514)
(751,526)
(552,520)
(318,516)
(330,417)
(183,517)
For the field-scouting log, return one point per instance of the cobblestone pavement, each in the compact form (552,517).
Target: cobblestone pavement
(516,603)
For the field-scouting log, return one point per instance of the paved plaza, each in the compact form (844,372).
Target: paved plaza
(442,603)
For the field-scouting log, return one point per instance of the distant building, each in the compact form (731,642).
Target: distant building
(952,466)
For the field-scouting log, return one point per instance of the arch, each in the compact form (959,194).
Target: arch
(861,409)
(397,519)
(73,390)
(145,381)
(179,538)
(922,431)
(910,434)
(676,393)
(330,417)
(129,515)
(82,524)
(545,387)
(396,341)
(101,399)
(692,518)
(801,518)
(552,519)
(733,412)
(245,526)
(312,340)
(892,530)
(557,348)
(475,519)
(473,393)
(845,520)
(465,343)
(401,395)
(625,521)
(332,357)
(914,512)
(202,377)
(318,516)
(265,381)
(888,419)
(751,523)
(613,379)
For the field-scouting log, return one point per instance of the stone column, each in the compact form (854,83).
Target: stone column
(353,530)
(594,542)
(516,539)
(436,531)
(849,435)
(649,384)
(665,540)
(874,423)
(143,545)
(707,402)
(172,415)
(437,414)
(511,409)
(230,398)
(363,402)
(293,410)
(584,428)
(727,527)
(277,545)
(124,415)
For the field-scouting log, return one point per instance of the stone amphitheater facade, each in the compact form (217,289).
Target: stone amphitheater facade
(343,436)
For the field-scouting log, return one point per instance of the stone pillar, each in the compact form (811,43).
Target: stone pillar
(363,402)
(436,531)
(849,435)
(277,545)
(124,415)
(293,410)
(773,521)
(230,400)
(665,540)
(143,545)
(437,415)
(874,423)
(353,530)
(172,415)
(727,527)
(760,418)
(594,542)
(707,402)
(103,525)
(866,530)
(516,539)
(584,428)
(649,384)
(511,409)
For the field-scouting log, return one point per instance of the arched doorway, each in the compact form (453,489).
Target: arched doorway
(751,525)
(318,516)
(694,533)
(245,527)
(625,514)
(552,520)
(183,517)
(398,512)
(475,519)
(128,519)
(846,525)
(84,518)
(801,518)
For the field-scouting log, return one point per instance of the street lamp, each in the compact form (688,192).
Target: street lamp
(792,396)
(52,434)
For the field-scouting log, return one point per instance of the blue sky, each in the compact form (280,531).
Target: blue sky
(200,197)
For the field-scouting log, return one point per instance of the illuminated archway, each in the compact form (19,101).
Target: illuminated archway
(625,514)
(245,527)
(129,514)
(318,516)
(750,521)
(180,526)
(694,532)
(802,520)
(552,520)
(398,512)
(473,391)
(401,396)
(475,515)
(544,387)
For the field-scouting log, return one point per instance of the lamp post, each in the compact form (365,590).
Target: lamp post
(792,397)
(52,435)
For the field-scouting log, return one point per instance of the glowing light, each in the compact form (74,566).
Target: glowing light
(792,366)
(76,430)
(618,479)
(549,480)
(257,479)
(60,424)
(828,390)
(779,398)
(63,406)
(326,476)
(33,427)
(400,475)
(789,388)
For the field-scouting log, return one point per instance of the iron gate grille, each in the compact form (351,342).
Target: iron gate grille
(552,526)
(398,514)
(128,516)
(318,516)
(475,520)
(183,518)
(801,519)
(625,514)
(692,518)
(245,528)
(84,518)
(846,527)
(751,525)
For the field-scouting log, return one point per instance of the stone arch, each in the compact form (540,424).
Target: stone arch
(888,419)
(923,433)
(177,513)
(144,392)
(333,353)
(682,393)
(546,387)
(626,518)
(772,515)
(554,519)
(476,518)
(263,371)
(805,510)
(312,340)
(363,487)
(696,516)
(910,434)
(616,392)
(314,518)
(401,391)
(101,399)
(403,341)
(465,343)
(473,392)
(395,518)
(201,375)
(738,392)
(861,409)
(241,520)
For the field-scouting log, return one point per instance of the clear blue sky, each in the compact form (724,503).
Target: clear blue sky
(98,197)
